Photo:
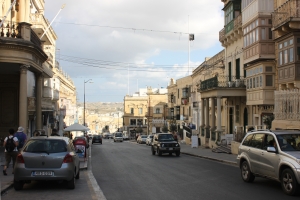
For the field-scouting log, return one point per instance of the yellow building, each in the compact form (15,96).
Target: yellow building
(144,112)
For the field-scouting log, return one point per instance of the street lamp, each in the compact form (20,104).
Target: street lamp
(88,81)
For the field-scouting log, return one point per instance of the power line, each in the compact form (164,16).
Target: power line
(126,28)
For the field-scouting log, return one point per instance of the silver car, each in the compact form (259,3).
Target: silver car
(47,158)
(118,137)
(271,154)
(149,140)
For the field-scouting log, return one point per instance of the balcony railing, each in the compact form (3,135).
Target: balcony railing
(222,82)
(10,29)
(285,13)
(233,25)
(287,105)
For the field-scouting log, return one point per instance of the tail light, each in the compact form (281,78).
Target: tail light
(68,159)
(20,158)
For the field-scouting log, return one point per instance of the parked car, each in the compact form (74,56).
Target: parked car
(165,143)
(149,139)
(125,137)
(97,139)
(47,158)
(271,154)
(141,139)
(118,137)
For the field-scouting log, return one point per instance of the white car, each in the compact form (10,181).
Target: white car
(149,140)
(118,137)
(142,139)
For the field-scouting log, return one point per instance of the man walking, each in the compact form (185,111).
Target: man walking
(11,150)
(21,137)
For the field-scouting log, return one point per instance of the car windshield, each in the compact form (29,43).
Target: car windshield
(289,142)
(144,136)
(46,146)
(118,135)
(165,137)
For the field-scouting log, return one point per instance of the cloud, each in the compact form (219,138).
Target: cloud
(148,37)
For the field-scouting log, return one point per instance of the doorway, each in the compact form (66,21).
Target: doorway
(245,119)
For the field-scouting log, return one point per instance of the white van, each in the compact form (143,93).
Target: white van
(118,137)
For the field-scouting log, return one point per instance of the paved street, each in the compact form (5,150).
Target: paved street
(128,171)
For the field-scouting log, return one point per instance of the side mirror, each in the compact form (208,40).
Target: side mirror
(271,149)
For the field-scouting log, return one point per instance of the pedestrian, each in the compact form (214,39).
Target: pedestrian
(21,137)
(54,132)
(11,151)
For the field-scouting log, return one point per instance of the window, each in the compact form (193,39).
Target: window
(285,59)
(260,81)
(269,69)
(263,33)
(247,140)
(280,58)
(139,121)
(253,82)
(270,34)
(257,141)
(157,110)
(131,110)
(140,111)
(269,80)
(291,55)
(133,122)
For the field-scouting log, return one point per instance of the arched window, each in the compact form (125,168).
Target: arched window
(157,111)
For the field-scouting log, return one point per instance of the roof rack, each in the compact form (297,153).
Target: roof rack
(261,130)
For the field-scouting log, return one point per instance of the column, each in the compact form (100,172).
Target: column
(207,117)
(213,121)
(219,128)
(23,114)
(22,10)
(27,11)
(202,117)
(38,109)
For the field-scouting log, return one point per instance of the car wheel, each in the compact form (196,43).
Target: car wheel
(78,174)
(71,183)
(159,152)
(247,175)
(153,151)
(177,153)
(18,185)
(288,182)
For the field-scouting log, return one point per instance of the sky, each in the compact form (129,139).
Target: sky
(123,45)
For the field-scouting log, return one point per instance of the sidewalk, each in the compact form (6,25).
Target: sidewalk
(203,152)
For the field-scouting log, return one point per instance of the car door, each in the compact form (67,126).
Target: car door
(269,160)
(254,152)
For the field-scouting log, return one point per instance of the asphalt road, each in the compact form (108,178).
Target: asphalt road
(129,171)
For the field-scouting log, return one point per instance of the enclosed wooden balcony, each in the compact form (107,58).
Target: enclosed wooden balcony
(232,32)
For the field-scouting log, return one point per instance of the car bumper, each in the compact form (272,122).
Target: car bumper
(97,141)
(66,172)
(169,149)
(119,140)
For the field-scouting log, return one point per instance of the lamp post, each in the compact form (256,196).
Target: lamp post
(84,99)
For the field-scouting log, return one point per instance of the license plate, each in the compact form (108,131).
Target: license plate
(96,140)
(43,173)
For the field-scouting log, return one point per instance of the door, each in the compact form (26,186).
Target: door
(245,119)
(269,160)
(254,152)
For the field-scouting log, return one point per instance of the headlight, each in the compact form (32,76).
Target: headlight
(177,145)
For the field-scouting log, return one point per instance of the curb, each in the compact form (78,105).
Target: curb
(9,186)
(209,158)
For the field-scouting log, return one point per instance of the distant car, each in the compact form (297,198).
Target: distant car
(118,137)
(141,139)
(271,154)
(165,143)
(47,158)
(149,140)
(97,139)
(125,137)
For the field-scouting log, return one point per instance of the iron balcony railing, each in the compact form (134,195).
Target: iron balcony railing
(222,82)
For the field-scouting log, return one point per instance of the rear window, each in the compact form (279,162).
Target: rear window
(47,146)
(118,135)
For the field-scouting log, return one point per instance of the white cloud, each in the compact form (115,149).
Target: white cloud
(134,33)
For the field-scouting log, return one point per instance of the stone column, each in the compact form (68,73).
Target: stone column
(207,117)
(219,128)
(23,114)
(202,115)
(22,10)
(213,122)
(27,10)
(38,109)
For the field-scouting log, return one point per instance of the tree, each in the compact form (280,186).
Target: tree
(173,128)
(139,130)
(165,129)
(267,120)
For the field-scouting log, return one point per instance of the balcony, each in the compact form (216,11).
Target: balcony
(232,32)
(157,115)
(39,25)
(47,92)
(55,95)
(222,86)
(287,16)
(170,117)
